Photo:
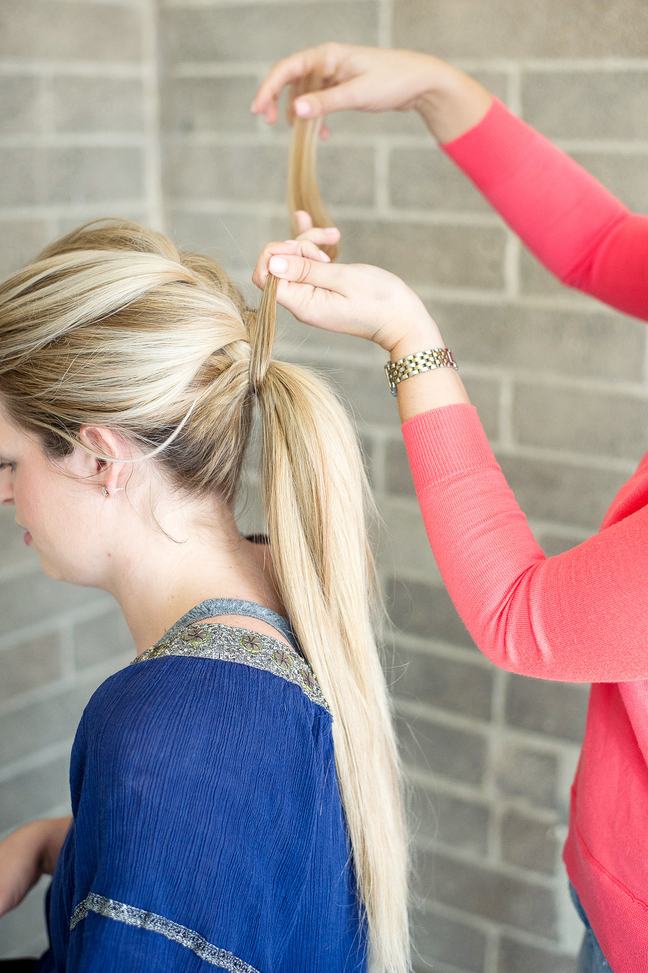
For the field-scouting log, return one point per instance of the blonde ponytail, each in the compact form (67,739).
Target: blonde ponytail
(315,495)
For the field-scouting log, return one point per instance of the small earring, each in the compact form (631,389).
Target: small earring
(104,491)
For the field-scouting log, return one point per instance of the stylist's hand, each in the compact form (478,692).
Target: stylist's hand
(372,79)
(355,299)
(26,854)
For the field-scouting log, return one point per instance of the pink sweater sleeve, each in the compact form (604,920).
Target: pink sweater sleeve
(574,226)
(581,616)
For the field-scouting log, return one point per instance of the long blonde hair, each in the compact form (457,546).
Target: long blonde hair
(111,325)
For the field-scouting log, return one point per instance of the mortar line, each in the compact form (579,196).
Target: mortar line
(152,131)
(385,23)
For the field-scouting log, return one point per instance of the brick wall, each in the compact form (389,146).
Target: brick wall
(559,381)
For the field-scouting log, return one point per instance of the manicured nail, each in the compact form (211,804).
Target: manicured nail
(331,229)
(277,265)
(302,108)
(291,241)
(325,257)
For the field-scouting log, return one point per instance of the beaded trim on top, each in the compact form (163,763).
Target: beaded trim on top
(211,640)
(151,922)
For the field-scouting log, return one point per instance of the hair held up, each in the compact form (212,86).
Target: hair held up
(111,325)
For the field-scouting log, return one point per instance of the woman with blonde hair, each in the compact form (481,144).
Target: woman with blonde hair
(235,791)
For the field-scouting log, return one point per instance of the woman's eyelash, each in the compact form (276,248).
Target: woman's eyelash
(4,466)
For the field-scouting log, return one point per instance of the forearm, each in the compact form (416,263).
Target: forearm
(454,103)
(26,854)
(577,616)
(54,833)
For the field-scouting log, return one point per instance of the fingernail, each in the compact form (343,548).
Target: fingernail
(277,265)
(331,229)
(291,241)
(325,257)
(302,108)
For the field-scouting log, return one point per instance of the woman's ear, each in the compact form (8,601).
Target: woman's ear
(104,469)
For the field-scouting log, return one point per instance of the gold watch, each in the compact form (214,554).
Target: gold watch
(420,361)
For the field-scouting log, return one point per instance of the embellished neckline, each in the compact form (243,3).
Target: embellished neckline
(213,640)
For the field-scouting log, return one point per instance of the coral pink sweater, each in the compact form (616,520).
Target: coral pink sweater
(581,616)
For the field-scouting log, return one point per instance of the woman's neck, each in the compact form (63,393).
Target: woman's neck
(156,578)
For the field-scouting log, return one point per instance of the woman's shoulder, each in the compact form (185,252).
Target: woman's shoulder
(206,679)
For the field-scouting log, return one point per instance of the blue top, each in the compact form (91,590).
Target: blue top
(208,829)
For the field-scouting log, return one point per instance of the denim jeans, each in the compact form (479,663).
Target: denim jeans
(590,958)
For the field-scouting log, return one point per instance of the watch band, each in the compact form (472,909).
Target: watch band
(420,361)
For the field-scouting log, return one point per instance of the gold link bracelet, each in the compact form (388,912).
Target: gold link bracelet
(420,361)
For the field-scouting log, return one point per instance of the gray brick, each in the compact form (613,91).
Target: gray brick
(452,820)
(21,183)
(62,31)
(255,32)
(580,421)
(521,28)
(529,842)
(531,774)
(450,256)
(404,546)
(425,610)
(25,601)
(554,542)
(425,179)
(517,957)
(100,638)
(41,724)
(563,493)
(368,124)
(259,173)
(232,239)
(19,105)
(487,893)
(34,793)
(434,748)
(484,394)
(246,173)
(552,708)
(30,664)
(346,175)
(441,940)
(587,104)
(623,175)
(15,552)
(448,683)
(209,104)
(19,242)
(398,475)
(558,342)
(97,104)
(322,349)
(94,175)
(364,387)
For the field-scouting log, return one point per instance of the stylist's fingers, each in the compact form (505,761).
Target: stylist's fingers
(288,70)
(302,248)
(323,236)
(302,270)
(341,97)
